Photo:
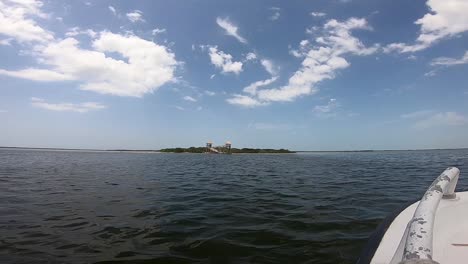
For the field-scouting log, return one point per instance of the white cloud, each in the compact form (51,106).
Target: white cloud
(304,47)
(210,93)
(253,87)
(442,119)
(328,109)
(230,29)
(296,53)
(275,16)
(180,108)
(158,31)
(318,14)
(250,56)
(312,30)
(276,13)
(321,62)
(148,65)
(75,31)
(189,98)
(269,66)
(69,107)
(6,42)
(224,61)
(245,101)
(443,61)
(113,10)
(212,76)
(135,16)
(16,21)
(38,75)
(430,73)
(447,18)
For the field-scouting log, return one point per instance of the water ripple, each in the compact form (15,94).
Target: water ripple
(86,207)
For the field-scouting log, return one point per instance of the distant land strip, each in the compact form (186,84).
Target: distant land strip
(233,150)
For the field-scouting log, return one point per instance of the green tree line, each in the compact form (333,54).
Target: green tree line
(233,150)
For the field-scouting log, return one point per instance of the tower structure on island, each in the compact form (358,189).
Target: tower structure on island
(223,149)
(209,146)
(228,147)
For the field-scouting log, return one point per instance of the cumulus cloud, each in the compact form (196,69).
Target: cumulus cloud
(444,61)
(321,62)
(135,16)
(157,31)
(276,13)
(67,107)
(38,75)
(224,61)
(17,21)
(447,18)
(6,42)
(142,67)
(318,14)
(75,31)
(189,98)
(210,93)
(442,119)
(250,56)
(253,87)
(430,73)
(245,101)
(269,66)
(148,65)
(230,29)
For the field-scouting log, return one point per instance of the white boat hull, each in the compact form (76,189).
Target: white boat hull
(450,233)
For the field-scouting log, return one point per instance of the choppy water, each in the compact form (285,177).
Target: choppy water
(85,207)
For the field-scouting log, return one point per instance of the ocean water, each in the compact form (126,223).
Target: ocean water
(86,207)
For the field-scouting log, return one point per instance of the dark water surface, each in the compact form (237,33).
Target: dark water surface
(85,207)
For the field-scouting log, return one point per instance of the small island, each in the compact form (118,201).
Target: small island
(224,149)
(233,150)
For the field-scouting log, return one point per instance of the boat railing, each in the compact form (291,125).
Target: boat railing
(416,243)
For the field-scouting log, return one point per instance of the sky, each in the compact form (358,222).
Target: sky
(302,75)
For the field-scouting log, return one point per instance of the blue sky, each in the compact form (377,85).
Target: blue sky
(303,75)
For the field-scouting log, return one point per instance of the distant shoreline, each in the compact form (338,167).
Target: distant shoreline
(224,150)
(84,150)
(159,151)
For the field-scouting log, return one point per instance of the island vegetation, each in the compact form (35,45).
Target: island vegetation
(233,150)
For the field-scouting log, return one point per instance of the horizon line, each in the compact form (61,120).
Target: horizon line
(158,150)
